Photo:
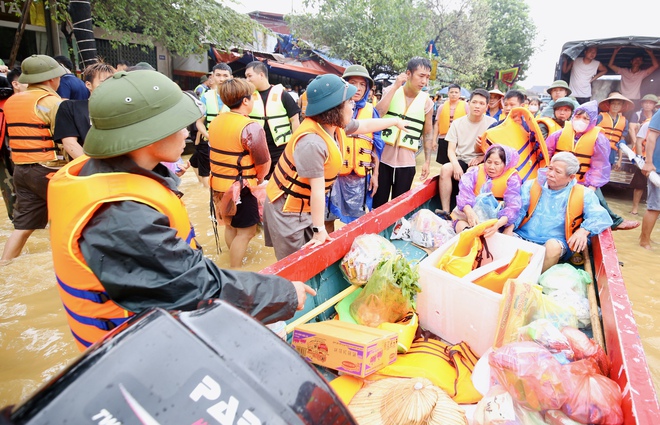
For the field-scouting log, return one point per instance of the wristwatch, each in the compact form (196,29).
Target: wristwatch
(317,229)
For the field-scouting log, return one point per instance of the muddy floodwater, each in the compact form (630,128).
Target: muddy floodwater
(35,342)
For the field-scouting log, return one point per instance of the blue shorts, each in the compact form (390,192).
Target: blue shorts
(566,253)
(653,197)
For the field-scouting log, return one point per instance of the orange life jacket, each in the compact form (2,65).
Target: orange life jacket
(574,208)
(499,184)
(612,131)
(465,254)
(358,148)
(445,118)
(285,179)
(303,103)
(583,149)
(229,160)
(550,123)
(514,135)
(30,138)
(72,201)
(3,121)
(496,279)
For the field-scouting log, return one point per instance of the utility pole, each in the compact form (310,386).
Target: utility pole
(25,13)
(52,29)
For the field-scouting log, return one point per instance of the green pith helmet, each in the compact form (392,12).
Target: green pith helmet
(134,109)
(564,101)
(40,68)
(326,92)
(358,71)
(144,66)
(650,98)
(559,84)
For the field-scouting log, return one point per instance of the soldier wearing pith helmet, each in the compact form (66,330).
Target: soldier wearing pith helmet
(30,124)
(120,234)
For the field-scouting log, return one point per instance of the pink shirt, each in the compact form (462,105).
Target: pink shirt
(632,81)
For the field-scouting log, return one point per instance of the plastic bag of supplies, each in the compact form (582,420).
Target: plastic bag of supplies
(367,251)
(389,295)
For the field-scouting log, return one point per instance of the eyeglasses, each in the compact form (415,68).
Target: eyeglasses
(343,96)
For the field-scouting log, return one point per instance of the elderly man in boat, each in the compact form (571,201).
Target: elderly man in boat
(559,213)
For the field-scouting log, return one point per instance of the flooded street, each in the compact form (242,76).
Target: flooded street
(35,342)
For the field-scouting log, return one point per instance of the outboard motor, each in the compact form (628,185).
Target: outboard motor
(216,365)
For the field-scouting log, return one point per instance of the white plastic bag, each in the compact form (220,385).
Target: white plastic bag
(367,251)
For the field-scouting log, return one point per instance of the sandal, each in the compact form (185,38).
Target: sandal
(443,214)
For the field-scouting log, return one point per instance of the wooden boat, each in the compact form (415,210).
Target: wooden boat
(319,267)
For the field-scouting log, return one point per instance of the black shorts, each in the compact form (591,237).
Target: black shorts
(200,159)
(31,185)
(247,212)
(441,157)
(639,180)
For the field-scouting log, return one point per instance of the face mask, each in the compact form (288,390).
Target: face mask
(580,125)
(533,109)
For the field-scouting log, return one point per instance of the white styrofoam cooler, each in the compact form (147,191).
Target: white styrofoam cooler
(458,310)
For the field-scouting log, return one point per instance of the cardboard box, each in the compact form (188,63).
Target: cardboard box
(458,310)
(354,349)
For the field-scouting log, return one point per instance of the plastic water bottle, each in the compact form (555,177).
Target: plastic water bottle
(279,328)
(654,178)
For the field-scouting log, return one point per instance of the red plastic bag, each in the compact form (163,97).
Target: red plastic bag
(530,373)
(592,397)
(585,348)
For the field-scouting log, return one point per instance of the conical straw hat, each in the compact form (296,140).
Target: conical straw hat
(404,401)
(604,105)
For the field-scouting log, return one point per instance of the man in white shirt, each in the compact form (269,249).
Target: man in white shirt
(463,137)
(584,71)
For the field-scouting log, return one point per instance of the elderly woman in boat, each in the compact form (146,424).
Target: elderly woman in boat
(490,190)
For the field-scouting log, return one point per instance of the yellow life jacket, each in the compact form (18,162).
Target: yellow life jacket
(448,366)
(229,160)
(574,208)
(465,255)
(72,202)
(514,135)
(274,114)
(583,149)
(358,148)
(550,123)
(499,184)
(414,113)
(346,386)
(213,105)
(30,139)
(496,279)
(612,131)
(285,179)
(445,118)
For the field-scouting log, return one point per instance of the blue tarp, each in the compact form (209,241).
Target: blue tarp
(464,92)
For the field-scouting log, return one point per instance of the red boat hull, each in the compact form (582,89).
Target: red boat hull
(624,347)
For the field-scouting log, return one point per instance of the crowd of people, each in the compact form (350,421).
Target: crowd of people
(100,159)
